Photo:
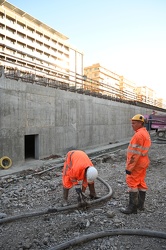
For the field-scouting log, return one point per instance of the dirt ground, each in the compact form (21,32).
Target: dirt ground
(29,192)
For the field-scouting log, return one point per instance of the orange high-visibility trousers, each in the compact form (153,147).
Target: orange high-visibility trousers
(137,179)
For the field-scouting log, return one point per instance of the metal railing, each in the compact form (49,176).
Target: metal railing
(81,84)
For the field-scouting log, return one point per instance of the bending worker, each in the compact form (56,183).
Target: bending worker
(136,165)
(78,167)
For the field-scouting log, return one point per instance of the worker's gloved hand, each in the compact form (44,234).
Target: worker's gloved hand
(78,190)
(82,197)
(128,172)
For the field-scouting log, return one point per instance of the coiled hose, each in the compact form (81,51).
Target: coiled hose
(60,209)
(5,162)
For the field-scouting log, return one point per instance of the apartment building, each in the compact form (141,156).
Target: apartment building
(147,95)
(28,45)
(100,79)
(107,82)
(128,88)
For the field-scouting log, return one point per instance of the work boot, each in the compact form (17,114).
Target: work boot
(133,201)
(141,200)
(92,191)
(65,196)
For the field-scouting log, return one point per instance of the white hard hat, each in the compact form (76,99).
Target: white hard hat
(91,174)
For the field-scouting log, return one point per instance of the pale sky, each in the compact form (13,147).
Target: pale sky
(127,37)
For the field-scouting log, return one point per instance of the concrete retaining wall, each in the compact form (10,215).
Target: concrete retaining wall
(59,120)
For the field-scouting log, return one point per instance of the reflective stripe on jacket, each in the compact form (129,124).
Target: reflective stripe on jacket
(75,164)
(137,151)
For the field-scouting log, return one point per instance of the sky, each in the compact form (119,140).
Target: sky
(128,37)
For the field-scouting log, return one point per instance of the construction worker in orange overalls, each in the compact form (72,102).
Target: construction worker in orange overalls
(78,167)
(136,165)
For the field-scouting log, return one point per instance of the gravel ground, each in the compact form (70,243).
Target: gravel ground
(28,192)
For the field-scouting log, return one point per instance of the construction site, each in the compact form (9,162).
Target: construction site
(31,210)
(51,104)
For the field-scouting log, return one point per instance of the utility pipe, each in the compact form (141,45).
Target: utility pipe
(101,234)
(60,209)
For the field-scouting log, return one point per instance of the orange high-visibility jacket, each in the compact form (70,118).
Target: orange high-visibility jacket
(75,164)
(137,152)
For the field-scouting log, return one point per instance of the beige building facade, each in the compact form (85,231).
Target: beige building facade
(29,45)
(101,79)
(106,82)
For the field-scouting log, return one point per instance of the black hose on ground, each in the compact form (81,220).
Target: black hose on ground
(23,216)
(93,236)
(60,209)
(159,141)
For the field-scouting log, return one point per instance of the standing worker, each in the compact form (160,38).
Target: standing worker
(136,165)
(78,167)
(151,119)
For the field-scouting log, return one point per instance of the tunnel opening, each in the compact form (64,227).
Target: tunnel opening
(31,147)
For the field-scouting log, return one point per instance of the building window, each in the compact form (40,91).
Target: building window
(39,34)
(21,45)
(30,29)
(21,25)
(21,35)
(10,30)
(30,39)
(9,19)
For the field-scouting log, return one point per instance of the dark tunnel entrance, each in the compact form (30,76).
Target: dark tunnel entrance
(31,147)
